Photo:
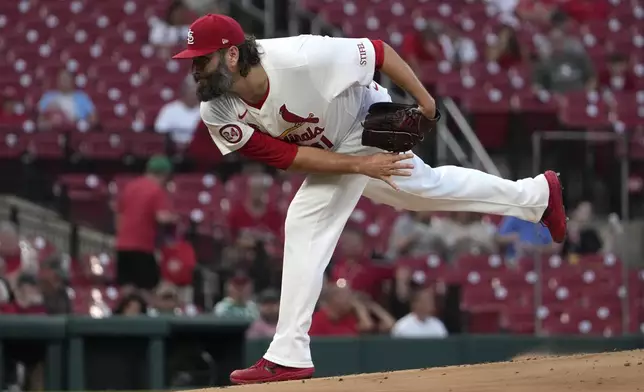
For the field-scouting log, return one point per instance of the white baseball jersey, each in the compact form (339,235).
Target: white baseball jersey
(318,88)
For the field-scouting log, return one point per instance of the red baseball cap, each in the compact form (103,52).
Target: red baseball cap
(210,33)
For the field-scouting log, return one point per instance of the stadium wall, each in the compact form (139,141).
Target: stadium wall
(131,353)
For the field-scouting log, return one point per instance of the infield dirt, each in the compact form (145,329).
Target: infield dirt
(614,372)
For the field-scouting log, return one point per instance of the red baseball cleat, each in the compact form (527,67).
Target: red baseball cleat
(267,371)
(555,216)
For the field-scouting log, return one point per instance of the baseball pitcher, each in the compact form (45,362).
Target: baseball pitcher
(309,104)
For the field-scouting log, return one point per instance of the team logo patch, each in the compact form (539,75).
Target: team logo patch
(297,121)
(191,37)
(231,133)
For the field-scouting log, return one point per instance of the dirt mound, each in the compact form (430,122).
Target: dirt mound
(614,372)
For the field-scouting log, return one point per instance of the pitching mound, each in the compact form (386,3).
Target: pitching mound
(614,372)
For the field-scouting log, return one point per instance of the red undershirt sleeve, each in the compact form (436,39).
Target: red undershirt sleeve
(269,150)
(379,46)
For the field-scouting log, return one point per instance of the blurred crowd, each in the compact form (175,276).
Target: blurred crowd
(367,289)
(69,101)
(560,61)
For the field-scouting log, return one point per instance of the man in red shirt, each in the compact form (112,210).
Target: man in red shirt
(141,207)
(341,314)
(11,113)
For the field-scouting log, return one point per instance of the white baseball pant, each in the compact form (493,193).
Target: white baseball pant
(318,213)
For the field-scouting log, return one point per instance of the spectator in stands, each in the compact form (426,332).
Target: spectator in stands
(266,323)
(505,50)
(249,254)
(564,66)
(420,47)
(12,113)
(238,303)
(456,48)
(141,208)
(65,105)
(522,238)
(582,238)
(254,213)
(413,235)
(354,267)
(403,287)
(503,7)
(167,300)
(53,287)
(174,28)
(27,297)
(340,314)
(10,254)
(383,320)
(177,264)
(180,117)
(421,322)
(526,10)
(466,232)
(616,75)
(131,305)
(435,42)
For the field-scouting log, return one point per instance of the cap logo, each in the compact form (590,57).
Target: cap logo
(191,38)
(224,41)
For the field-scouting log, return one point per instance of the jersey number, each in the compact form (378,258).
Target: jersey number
(324,143)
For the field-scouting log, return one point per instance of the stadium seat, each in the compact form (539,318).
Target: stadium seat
(47,145)
(427,268)
(98,146)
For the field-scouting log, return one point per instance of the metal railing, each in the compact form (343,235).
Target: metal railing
(445,141)
(70,238)
(481,159)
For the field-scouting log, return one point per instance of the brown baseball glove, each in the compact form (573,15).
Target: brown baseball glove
(396,127)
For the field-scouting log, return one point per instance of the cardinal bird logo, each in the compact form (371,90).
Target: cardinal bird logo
(297,121)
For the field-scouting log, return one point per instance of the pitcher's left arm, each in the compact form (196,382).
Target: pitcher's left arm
(403,76)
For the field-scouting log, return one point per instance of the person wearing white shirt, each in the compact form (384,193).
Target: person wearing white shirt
(180,118)
(420,322)
(299,104)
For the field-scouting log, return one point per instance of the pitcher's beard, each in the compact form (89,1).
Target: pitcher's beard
(216,84)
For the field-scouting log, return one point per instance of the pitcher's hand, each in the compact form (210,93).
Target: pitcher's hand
(384,166)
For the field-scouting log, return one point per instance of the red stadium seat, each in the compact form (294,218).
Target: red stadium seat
(425,269)
(12,145)
(46,145)
(98,146)
(490,114)
(145,144)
